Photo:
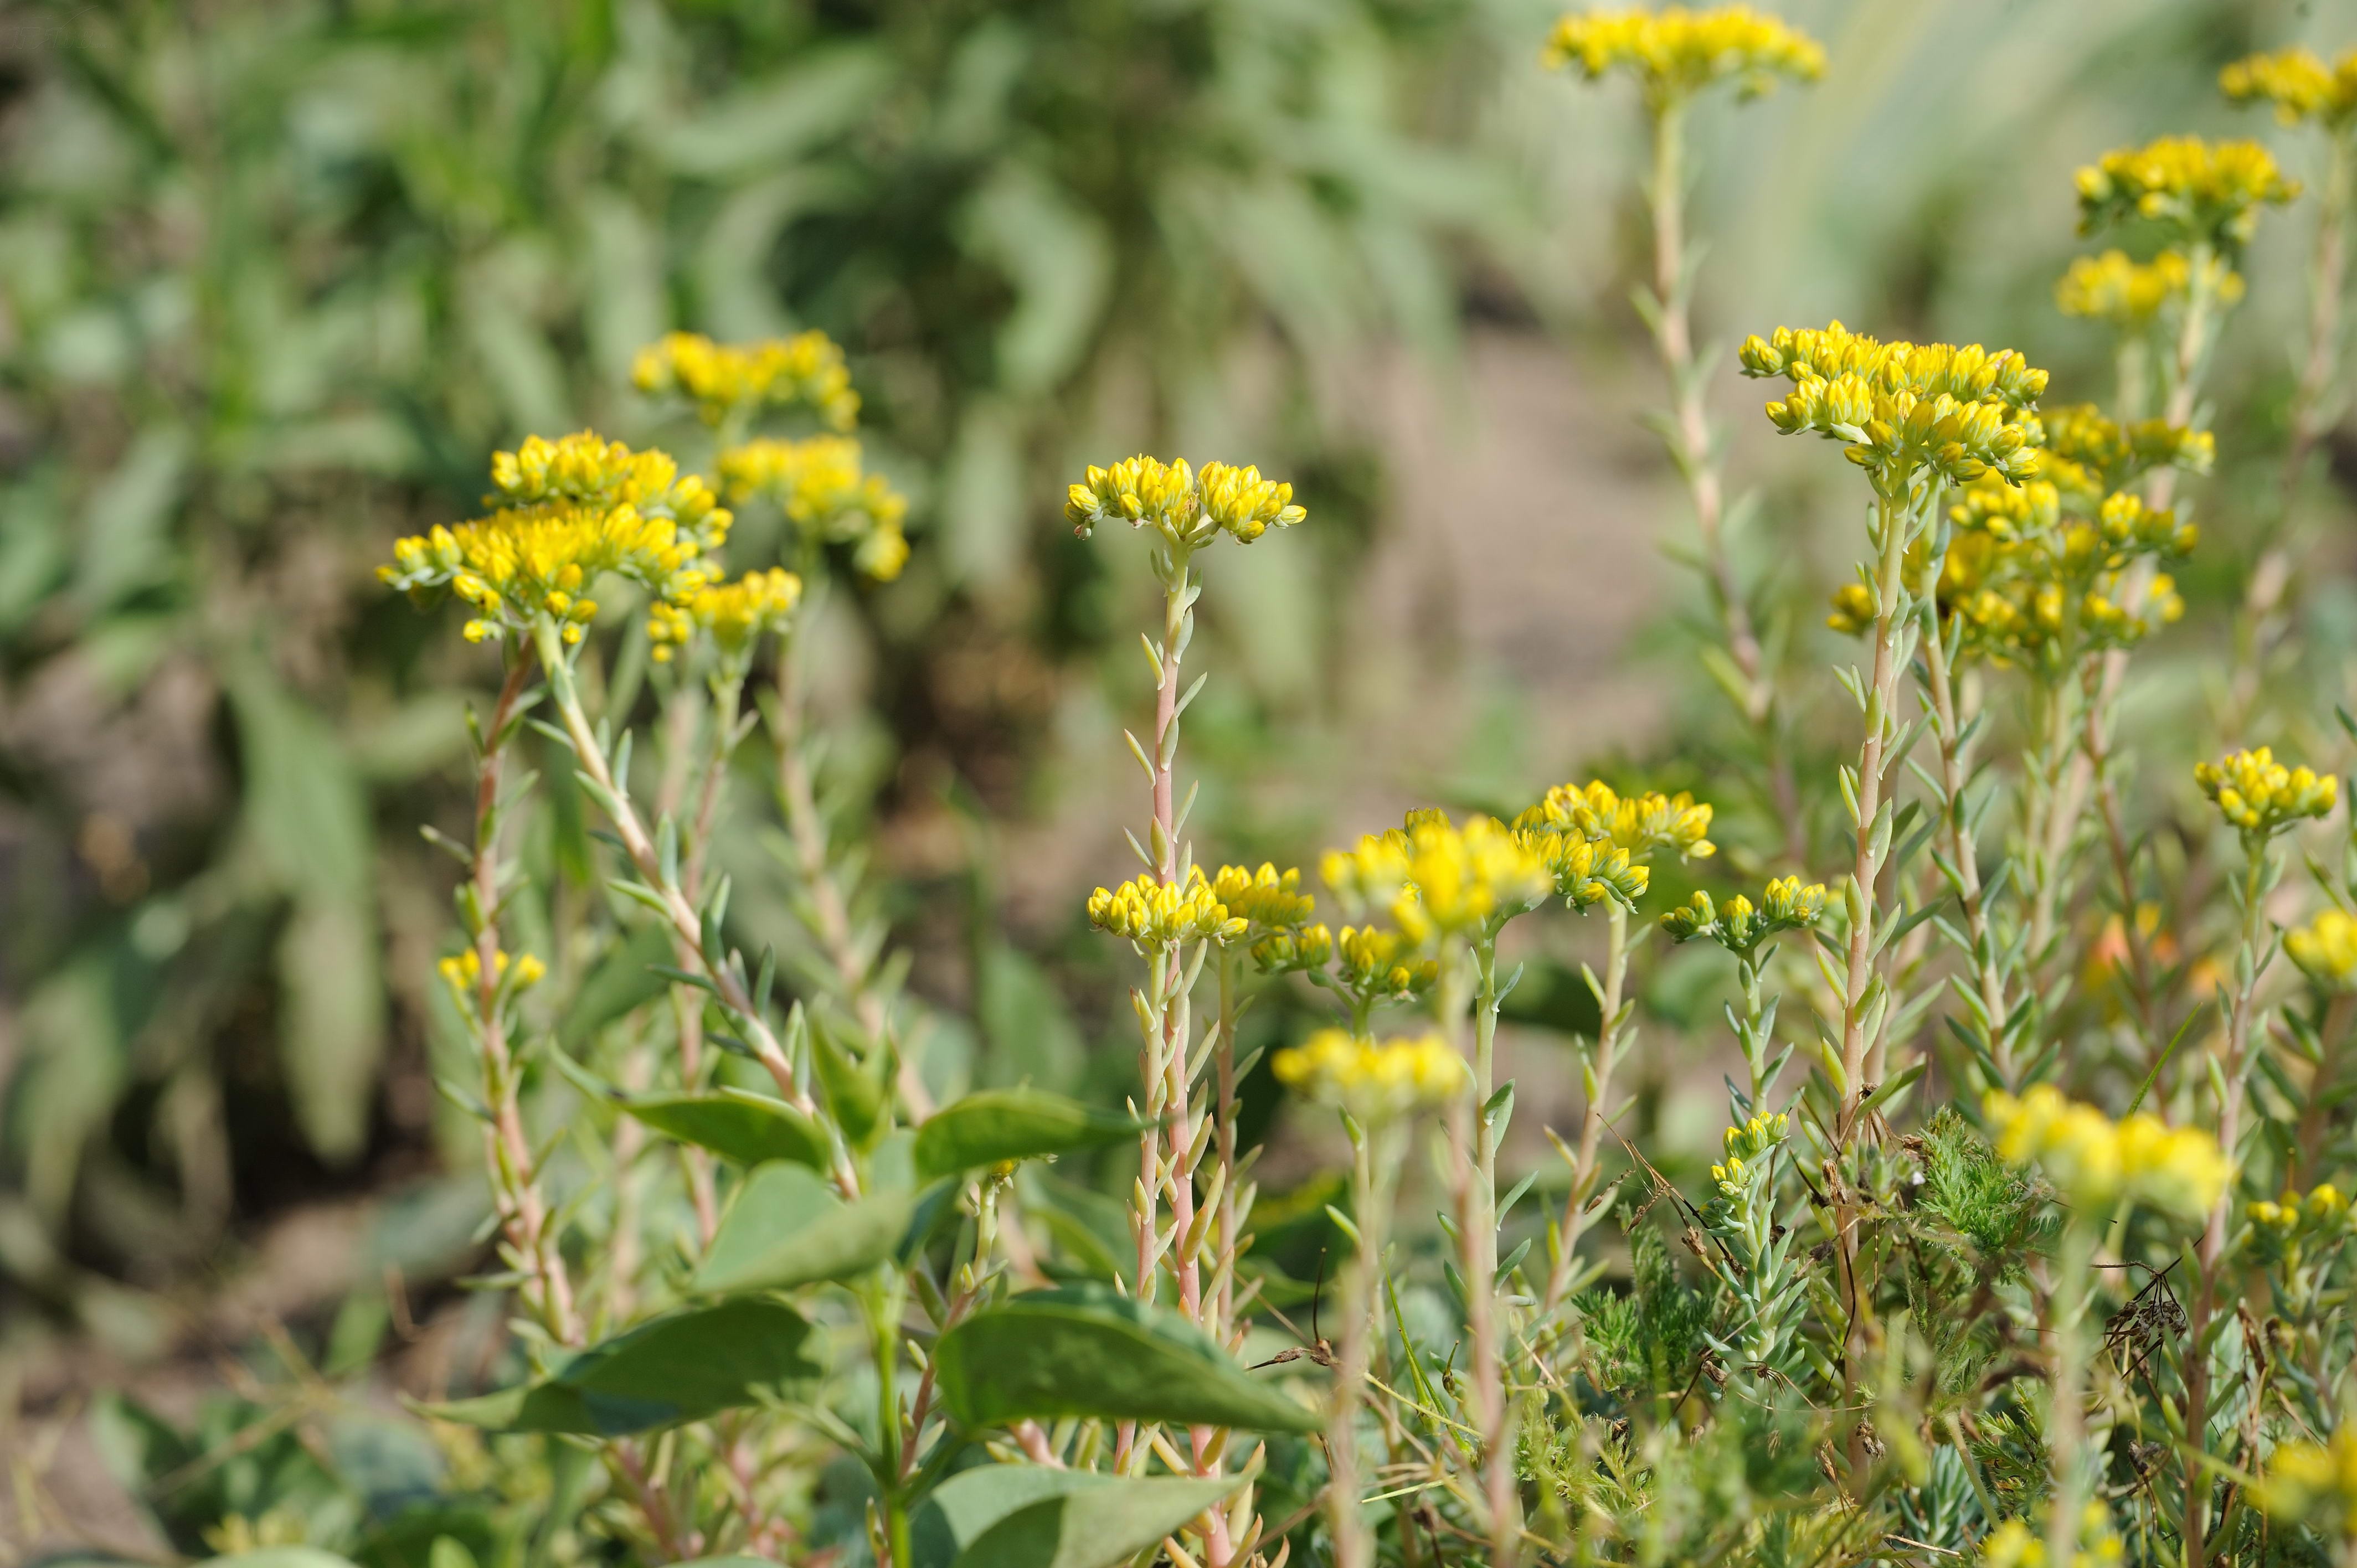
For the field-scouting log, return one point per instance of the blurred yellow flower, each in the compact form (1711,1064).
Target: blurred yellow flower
(464,971)
(2095,1162)
(2326,950)
(806,370)
(2205,192)
(1437,879)
(2261,797)
(736,614)
(823,489)
(1373,1082)
(2315,1483)
(1676,53)
(2299,85)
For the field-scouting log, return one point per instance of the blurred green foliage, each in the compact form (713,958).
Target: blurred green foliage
(277,275)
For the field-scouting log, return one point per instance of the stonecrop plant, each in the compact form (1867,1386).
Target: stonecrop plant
(2024,1242)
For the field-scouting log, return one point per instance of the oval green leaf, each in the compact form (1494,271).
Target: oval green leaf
(1086,1350)
(735,1124)
(679,1368)
(1029,1515)
(788,1227)
(1013,1124)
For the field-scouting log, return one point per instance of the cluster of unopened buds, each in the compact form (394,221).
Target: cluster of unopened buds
(1745,1146)
(1267,897)
(2095,1161)
(1186,507)
(2260,796)
(1373,1082)
(463,972)
(1151,912)
(2207,192)
(736,614)
(1739,926)
(1903,406)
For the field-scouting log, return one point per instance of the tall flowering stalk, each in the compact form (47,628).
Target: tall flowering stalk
(2261,799)
(2303,90)
(1171,914)
(1676,57)
(1378,1088)
(1917,419)
(2098,1166)
(2206,197)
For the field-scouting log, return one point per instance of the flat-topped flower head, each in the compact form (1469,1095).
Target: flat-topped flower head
(1151,912)
(1674,53)
(2094,1162)
(825,491)
(736,614)
(1435,878)
(1373,1082)
(2260,796)
(2203,193)
(2315,1483)
(2130,295)
(566,512)
(1293,950)
(1186,508)
(2299,83)
(1271,899)
(1739,925)
(1644,824)
(1587,870)
(806,371)
(2326,950)
(1904,407)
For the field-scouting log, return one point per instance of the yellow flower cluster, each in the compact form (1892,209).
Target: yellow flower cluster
(2095,1162)
(1737,926)
(2014,1545)
(1638,823)
(1901,407)
(2326,950)
(1676,53)
(2324,1210)
(2034,570)
(806,370)
(1587,870)
(1268,899)
(820,485)
(736,613)
(1745,1146)
(568,511)
(2297,83)
(1186,507)
(2130,295)
(1378,965)
(1151,912)
(1373,1082)
(2315,1482)
(464,971)
(2260,796)
(2205,192)
(1437,879)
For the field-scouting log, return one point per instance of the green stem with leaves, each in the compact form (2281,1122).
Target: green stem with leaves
(1596,1088)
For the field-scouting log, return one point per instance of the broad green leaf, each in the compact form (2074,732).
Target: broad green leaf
(997,1124)
(735,1124)
(768,124)
(789,1228)
(280,1557)
(125,528)
(332,1031)
(679,1368)
(1085,1349)
(1029,1515)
